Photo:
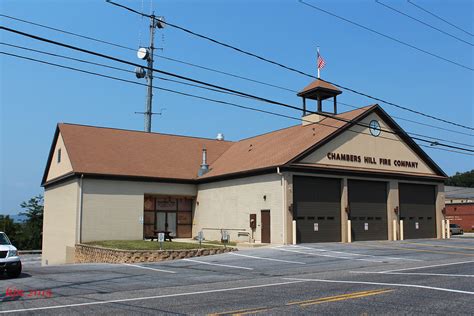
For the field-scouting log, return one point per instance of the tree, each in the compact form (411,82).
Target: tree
(462,179)
(32,228)
(9,227)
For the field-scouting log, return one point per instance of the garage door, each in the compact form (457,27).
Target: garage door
(417,210)
(368,210)
(317,209)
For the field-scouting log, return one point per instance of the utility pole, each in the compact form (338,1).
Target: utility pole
(147,54)
(149,77)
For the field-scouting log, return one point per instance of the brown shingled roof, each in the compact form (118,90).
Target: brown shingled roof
(279,147)
(318,84)
(106,151)
(115,152)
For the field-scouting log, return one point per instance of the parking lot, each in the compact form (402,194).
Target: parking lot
(379,277)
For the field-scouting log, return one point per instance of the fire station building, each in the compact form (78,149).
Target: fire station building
(336,177)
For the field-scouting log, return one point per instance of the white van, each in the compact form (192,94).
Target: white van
(9,259)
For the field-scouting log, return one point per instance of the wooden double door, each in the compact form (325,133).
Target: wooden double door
(172,214)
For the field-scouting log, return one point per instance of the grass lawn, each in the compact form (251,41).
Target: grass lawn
(146,245)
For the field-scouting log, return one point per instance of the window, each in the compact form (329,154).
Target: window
(59,155)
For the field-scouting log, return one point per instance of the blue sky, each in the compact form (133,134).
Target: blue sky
(34,97)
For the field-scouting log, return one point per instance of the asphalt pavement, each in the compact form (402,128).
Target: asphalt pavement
(427,276)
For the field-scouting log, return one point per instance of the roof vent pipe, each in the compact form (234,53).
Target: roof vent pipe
(220,136)
(204,166)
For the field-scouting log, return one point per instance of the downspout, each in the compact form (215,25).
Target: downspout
(283,199)
(80,209)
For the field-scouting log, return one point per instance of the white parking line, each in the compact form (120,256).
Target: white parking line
(358,254)
(384,284)
(148,268)
(431,266)
(149,297)
(415,273)
(262,258)
(217,264)
(324,255)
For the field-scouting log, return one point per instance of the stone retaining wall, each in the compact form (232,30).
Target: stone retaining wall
(95,254)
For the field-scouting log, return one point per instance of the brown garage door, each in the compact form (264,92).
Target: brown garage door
(317,209)
(417,210)
(368,210)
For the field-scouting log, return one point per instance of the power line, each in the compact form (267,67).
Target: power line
(158,56)
(211,85)
(208,84)
(416,122)
(256,81)
(67,32)
(438,17)
(309,75)
(228,74)
(174,91)
(183,83)
(386,36)
(219,87)
(114,68)
(202,98)
(424,23)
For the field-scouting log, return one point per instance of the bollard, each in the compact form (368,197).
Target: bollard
(294,232)
(443,229)
(448,231)
(401,230)
(394,228)
(349,231)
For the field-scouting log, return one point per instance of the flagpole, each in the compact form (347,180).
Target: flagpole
(317,63)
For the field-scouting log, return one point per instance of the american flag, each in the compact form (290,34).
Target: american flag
(321,62)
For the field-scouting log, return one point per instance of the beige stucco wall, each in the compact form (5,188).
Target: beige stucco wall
(113,209)
(60,222)
(386,145)
(228,205)
(58,169)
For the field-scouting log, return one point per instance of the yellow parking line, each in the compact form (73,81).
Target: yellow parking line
(306,302)
(433,245)
(331,297)
(386,245)
(336,299)
(255,311)
(241,311)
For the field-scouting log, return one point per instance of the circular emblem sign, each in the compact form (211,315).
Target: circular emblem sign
(374,127)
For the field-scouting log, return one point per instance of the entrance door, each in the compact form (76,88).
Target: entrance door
(417,210)
(265,226)
(368,210)
(171,221)
(166,221)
